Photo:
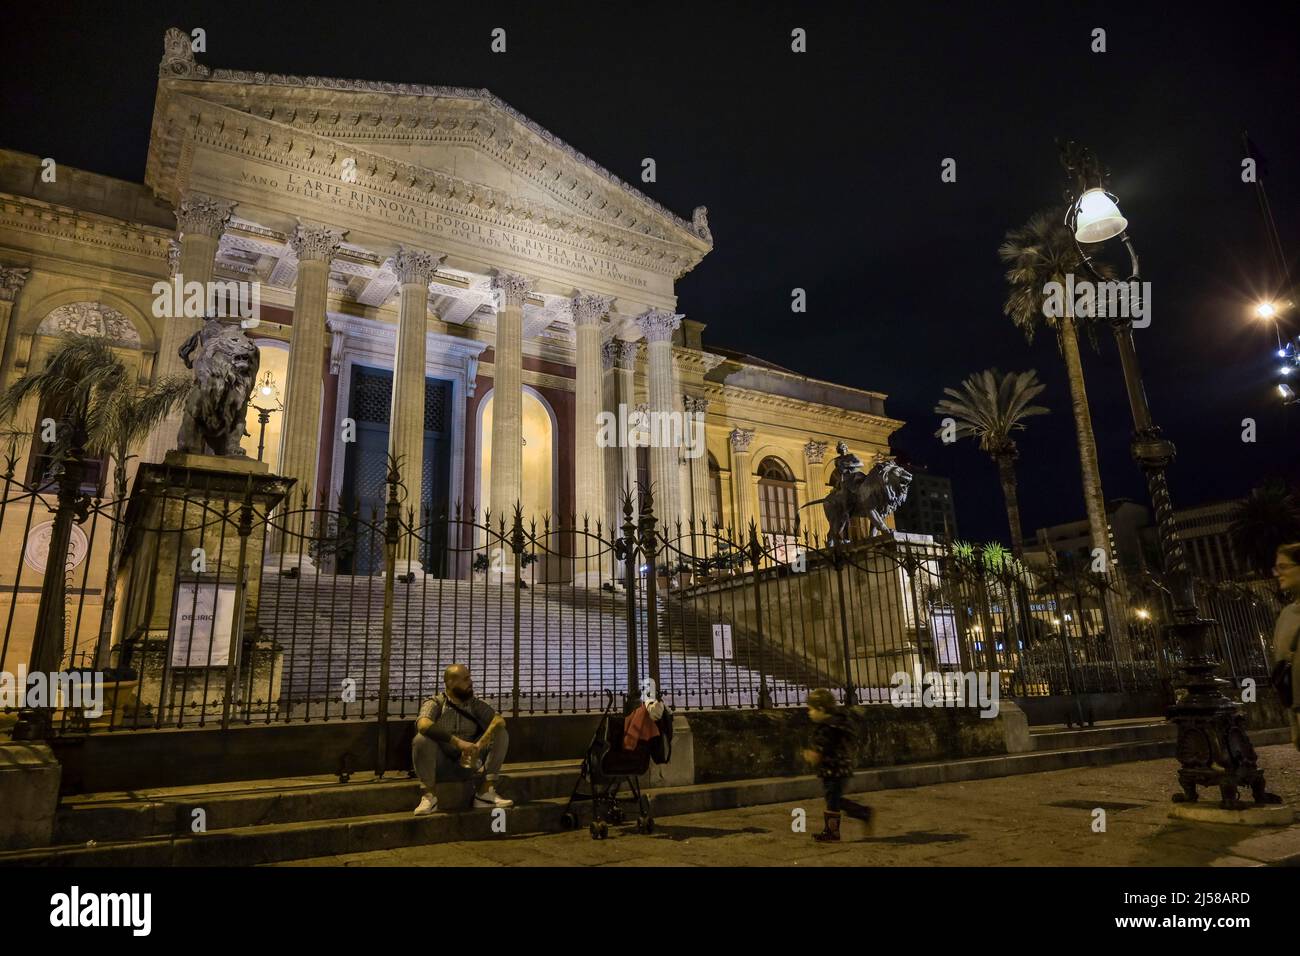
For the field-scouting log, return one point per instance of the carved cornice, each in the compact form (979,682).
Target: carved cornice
(472,114)
(317,141)
(39,218)
(734,396)
(815,452)
(589,308)
(416,266)
(741,439)
(316,243)
(202,215)
(512,287)
(657,325)
(12,279)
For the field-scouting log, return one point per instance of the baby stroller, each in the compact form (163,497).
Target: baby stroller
(606,766)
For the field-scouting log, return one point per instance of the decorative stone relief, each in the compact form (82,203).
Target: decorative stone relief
(694,404)
(178,55)
(37,551)
(626,356)
(91,318)
(815,452)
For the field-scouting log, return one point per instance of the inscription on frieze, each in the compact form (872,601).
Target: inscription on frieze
(355,199)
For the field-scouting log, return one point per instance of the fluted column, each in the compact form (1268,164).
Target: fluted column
(625,363)
(658,326)
(200,221)
(699,506)
(414,268)
(814,518)
(12,280)
(588,456)
(742,481)
(508,396)
(300,431)
(612,457)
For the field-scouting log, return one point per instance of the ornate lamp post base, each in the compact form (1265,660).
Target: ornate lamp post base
(1213,748)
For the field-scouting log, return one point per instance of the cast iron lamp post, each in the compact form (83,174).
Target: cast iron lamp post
(1213,748)
(269,394)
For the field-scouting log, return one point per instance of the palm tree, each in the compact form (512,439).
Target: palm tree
(1267,518)
(988,407)
(1040,252)
(100,412)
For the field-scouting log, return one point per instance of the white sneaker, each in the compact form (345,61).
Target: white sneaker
(489,798)
(428,805)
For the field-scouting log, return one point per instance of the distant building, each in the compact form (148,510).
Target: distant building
(929,507)
(1126,519)
(1136,543)
(1205,537)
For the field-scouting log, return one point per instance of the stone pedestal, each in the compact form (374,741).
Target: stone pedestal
(190,541)
(29,795)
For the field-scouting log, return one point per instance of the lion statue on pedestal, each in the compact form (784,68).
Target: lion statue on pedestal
(225,362)
(873,495)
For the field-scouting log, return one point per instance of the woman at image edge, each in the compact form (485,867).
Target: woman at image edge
(1286,635)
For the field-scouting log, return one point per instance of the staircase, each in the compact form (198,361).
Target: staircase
(572,645)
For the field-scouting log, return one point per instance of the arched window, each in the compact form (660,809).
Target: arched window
(777,500)
(715,490)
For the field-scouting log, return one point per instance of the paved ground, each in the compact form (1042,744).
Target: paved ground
(1032,820)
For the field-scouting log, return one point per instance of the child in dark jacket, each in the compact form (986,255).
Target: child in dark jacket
(832,754)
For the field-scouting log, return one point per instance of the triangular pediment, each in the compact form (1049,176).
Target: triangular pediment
(466,141)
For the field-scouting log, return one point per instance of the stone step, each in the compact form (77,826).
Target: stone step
(1060,737)
(169,811)
(278,842)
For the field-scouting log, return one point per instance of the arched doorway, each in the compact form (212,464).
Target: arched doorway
(538,484)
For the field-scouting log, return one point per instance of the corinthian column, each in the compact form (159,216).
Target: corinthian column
(414,269)
(611,457)
(588,456)
(658,326)
(698,506)
(200,221)
(300,431)
(508,396)
(625,363)
(12,280)
(815,517)
(742,481)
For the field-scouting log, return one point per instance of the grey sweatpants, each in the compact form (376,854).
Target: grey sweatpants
(432,763)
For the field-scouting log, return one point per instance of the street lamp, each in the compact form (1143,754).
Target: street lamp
(267,402)
(1265,310)
(1213,748)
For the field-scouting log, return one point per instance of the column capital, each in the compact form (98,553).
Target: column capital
(695,404)
(173,257)
(625,356)
(741,439)
(12,279)
(512,287)
(589,308)
(657,325)
(416,265)
(316,243)
(815,451)
(609,350)
(203,215)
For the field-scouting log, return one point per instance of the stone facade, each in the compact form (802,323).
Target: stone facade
(427,234)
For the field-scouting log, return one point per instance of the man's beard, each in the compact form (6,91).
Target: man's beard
(463,693)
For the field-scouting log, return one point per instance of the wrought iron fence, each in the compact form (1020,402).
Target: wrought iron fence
(226,601)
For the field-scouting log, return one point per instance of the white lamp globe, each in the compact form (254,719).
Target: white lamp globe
(1098,217)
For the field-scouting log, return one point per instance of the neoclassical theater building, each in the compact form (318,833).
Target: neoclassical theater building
(460,284)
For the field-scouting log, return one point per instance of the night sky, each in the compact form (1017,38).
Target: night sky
(821,171)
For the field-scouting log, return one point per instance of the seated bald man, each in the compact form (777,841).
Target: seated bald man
(454,725)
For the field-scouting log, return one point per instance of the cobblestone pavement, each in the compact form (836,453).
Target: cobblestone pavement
(1043,819)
